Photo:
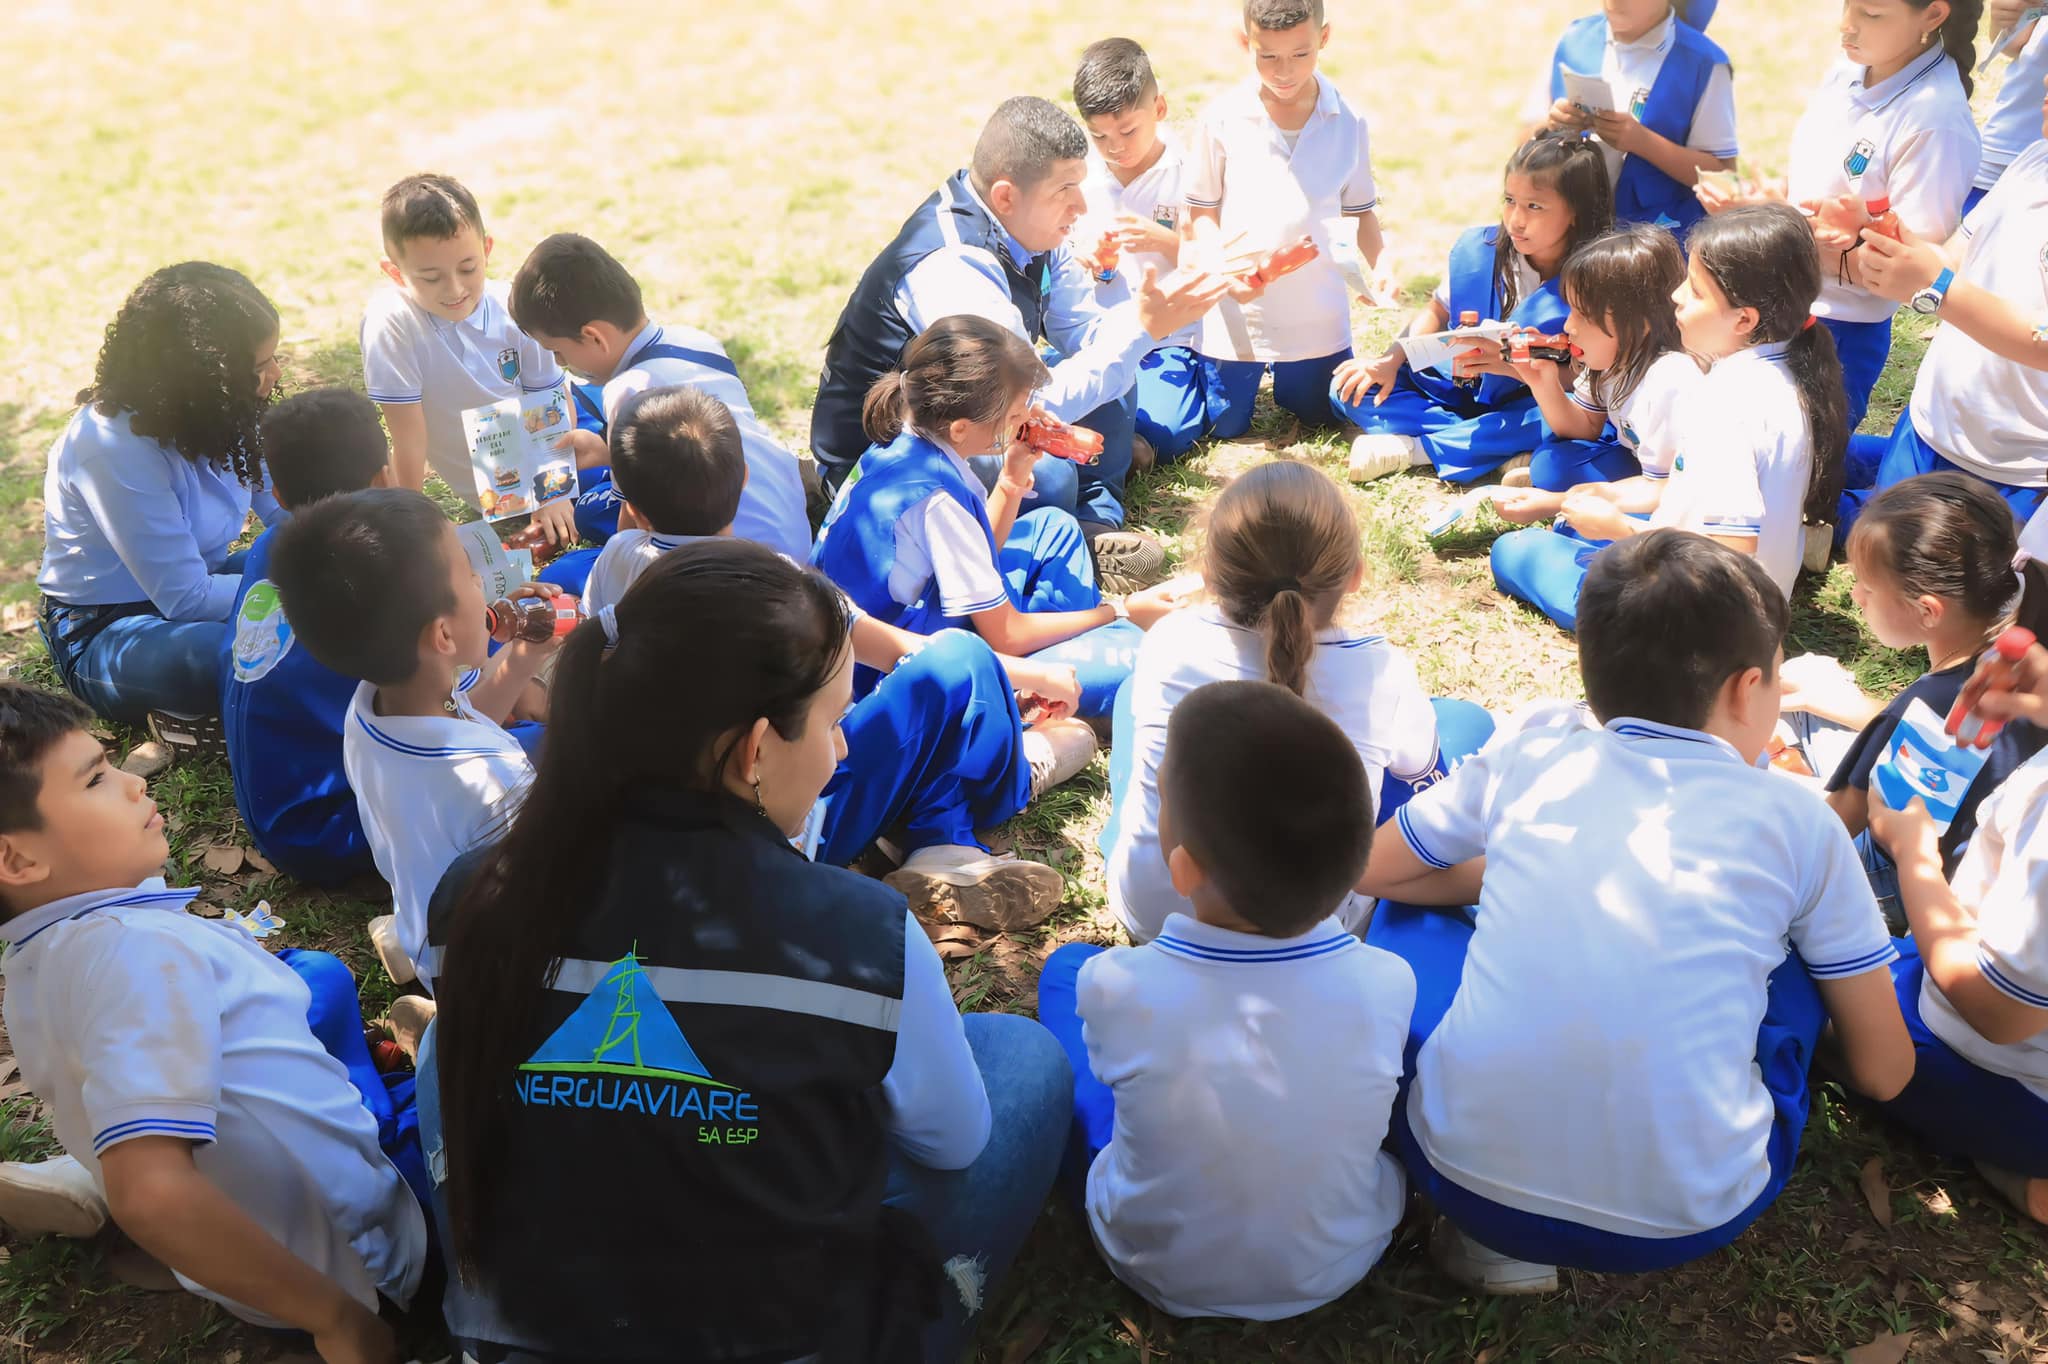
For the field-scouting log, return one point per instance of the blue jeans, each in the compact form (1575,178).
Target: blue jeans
(1301,387)
(978,1217)
(127,660)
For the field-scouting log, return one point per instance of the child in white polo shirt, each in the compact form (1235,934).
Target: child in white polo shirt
(378,588)
(1233,1078)
(1134,196)
(440,340)
(572,297)
(1613,1047)
(177,1060)
(1278,158)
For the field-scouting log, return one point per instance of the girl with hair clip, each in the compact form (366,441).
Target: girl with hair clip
(148,489)
(1555,197)
(1760,445)
(1934,564)
(653,1006)
(1282,557)
(1679,118)
(1634,379)
(917,544)
(1890,125)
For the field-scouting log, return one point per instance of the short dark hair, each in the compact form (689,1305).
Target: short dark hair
(1021,141)
(1268,796)
(32,722)
(568,282)
(322,442)
(361,576)
(1277,16)
(1665,619)
(1114,75)
(428,205)
(677,457)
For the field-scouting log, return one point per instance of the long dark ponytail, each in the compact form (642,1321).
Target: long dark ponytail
(648,711)
(1761,256)
(1959,35)
(1559,160)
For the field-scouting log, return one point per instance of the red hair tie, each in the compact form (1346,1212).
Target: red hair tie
(1810,320)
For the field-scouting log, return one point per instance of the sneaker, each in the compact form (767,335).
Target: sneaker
(1515,472)
(1127,561)
(384,938)
(54,1197)
(407,1018)
(1056,750)
(1143,456)
(1489,1271)
(1820,547)
(954,884)
(1376,456)
(188,735)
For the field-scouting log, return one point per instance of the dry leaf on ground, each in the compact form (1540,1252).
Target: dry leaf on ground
(222,858)
(1876,1192)
(1886,1349)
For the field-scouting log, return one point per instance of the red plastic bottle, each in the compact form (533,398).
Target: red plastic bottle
(1975,731)
(533,619)
(1051,436)
(1284,260)
(1468,318)
(1107,253)
(534,540)
(1883,221)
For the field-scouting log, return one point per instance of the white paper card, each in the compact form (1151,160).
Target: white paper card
(512,452)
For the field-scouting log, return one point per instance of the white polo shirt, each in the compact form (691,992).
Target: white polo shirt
(1744,459)
(132,1018)
(1271,193)
(2003,880)
(1642,881)
(412,356)
(1362,682)
(1154,195)
(2014,123)
(1631,71)
(772,504)
(1984,413)
(620,563)
(1648,418)
(430,788)
(1910,138)
(1254,1078)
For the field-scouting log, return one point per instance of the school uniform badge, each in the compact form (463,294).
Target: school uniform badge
(508,364)
(1858,159)
(262,634)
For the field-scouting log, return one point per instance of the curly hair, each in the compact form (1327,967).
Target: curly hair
(180,357)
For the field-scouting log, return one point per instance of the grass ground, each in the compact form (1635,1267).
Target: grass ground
(745,162)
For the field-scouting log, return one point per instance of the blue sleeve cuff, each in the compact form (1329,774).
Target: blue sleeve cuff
(1853,966)
(1415,841)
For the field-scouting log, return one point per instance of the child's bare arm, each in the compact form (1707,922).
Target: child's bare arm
(1876,1052)
(165,1205)
(1396,872)
(1371,240)
(407,424)
(1852,805)
(1010,631)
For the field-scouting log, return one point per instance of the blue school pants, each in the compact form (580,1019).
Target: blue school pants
(570,571)
(1173,406)
(1957,1107)
(335,1015)
(597,504)
(1864,347)
(1433,942)
(1465,443)
(934,750)
(1972,199)
(1302,387)
(1558,466)
(1048,568)
(1906,454)
(1545,567)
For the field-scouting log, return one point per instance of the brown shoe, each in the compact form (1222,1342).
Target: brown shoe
(1143,456)
(964,885)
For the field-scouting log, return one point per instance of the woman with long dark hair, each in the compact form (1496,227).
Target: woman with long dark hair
(696,1097)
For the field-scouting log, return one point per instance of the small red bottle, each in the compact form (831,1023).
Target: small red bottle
(533,619)
(1285,260)
(534,540)
(1883,221)
(1051,436)
(1970,729)
(1468,318)
(1107,253)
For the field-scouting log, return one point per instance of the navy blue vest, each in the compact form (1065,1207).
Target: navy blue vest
(1474,289)
(869,338)
(698,1146)
(1644,194)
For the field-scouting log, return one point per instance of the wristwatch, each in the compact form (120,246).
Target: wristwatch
(1928,300)
(1116,604)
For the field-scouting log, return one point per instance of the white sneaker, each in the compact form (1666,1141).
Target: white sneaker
(1376,456)
(1056,750)
(1819,548)
(54,1197)
(1489,1271)
(954,884)
(1514,473)
(384,938)
(407,1018)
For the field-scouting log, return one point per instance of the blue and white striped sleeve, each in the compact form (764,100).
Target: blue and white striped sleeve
(1839,931)
(391,352)
(1446,824)
(146,1018)
(1361,193)
(963,563)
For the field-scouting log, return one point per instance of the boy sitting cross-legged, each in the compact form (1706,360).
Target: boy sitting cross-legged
(214,1094)
(1233,1077)
(1613,1047)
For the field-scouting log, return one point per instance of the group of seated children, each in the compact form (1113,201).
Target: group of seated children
(1581,967)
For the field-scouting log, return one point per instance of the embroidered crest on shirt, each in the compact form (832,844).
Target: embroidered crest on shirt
(621,1052)
(508,364)
(257,923)
(262,634)
(1638,102)
(1858,159)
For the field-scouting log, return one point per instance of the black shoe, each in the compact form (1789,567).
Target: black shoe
(1126,561)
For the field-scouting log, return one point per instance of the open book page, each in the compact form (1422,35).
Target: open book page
(512,452)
